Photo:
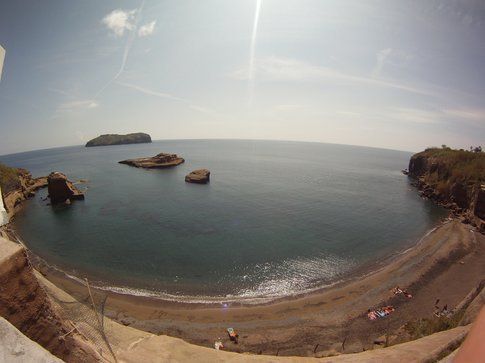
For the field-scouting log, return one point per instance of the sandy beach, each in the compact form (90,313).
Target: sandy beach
(445,264)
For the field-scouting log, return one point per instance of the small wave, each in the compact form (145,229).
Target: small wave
(265,283)
(295,276)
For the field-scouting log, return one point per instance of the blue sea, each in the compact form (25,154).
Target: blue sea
(277,218)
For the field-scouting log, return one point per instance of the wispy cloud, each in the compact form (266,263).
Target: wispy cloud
(129,43)
(73,102)
(288,107)
(151,92)
(284,69)
(468,114)
(167,96)
(147,29)
(119,21)
(79,104)
(389,56)
(413,115)
(381,59)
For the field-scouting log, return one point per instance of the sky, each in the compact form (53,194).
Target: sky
(401,75)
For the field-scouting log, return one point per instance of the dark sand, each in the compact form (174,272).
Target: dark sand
(446,264)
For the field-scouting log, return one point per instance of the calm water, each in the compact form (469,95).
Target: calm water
(276,218)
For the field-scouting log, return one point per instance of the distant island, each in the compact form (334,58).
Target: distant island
(114,139)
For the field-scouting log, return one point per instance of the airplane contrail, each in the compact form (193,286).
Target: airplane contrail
(128,45)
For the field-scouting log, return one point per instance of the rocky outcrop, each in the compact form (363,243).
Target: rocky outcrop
(200,176)
(115,139)
(162,160)
(23,188)
(454,179)
(62,190)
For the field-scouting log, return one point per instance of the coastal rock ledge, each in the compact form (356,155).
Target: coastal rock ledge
(160,161)
(200,176)
(62,190)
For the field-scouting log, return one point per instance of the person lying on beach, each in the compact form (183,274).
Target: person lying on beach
(218,345)
(371,314)
(397,291)
(380,313)
(233,335)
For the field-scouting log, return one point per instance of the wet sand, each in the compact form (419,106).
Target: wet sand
(447,263)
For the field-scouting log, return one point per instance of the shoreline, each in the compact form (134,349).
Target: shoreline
(445,263)
(69,279)
(432,268)
(323,318)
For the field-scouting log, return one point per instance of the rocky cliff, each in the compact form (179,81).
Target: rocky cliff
(115,139)
(25,304)
(454,179)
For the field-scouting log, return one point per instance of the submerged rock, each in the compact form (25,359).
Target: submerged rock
(162,160)
(200,176)
(62,190)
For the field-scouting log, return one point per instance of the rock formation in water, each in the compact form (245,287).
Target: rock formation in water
(114,139)
(62,190)
(159,161)
(454,179)
(18,185)
(200,176)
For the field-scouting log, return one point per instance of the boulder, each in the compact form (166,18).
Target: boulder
(200,176)
(162,160)
(62,190)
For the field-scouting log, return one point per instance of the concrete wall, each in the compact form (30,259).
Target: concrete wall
(17,348)
(3,212)
(2,57)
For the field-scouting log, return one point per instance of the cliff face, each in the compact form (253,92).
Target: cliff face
(26,305)
(114,139)
(454,179)
(18,185)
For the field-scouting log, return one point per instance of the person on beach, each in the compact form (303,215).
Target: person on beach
(444,311)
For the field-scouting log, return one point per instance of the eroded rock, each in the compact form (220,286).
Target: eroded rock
(200,176)
(62,190)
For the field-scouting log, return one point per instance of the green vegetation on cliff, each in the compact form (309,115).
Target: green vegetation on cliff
(454,179)
(9,178)
(443,167)
(114,139)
